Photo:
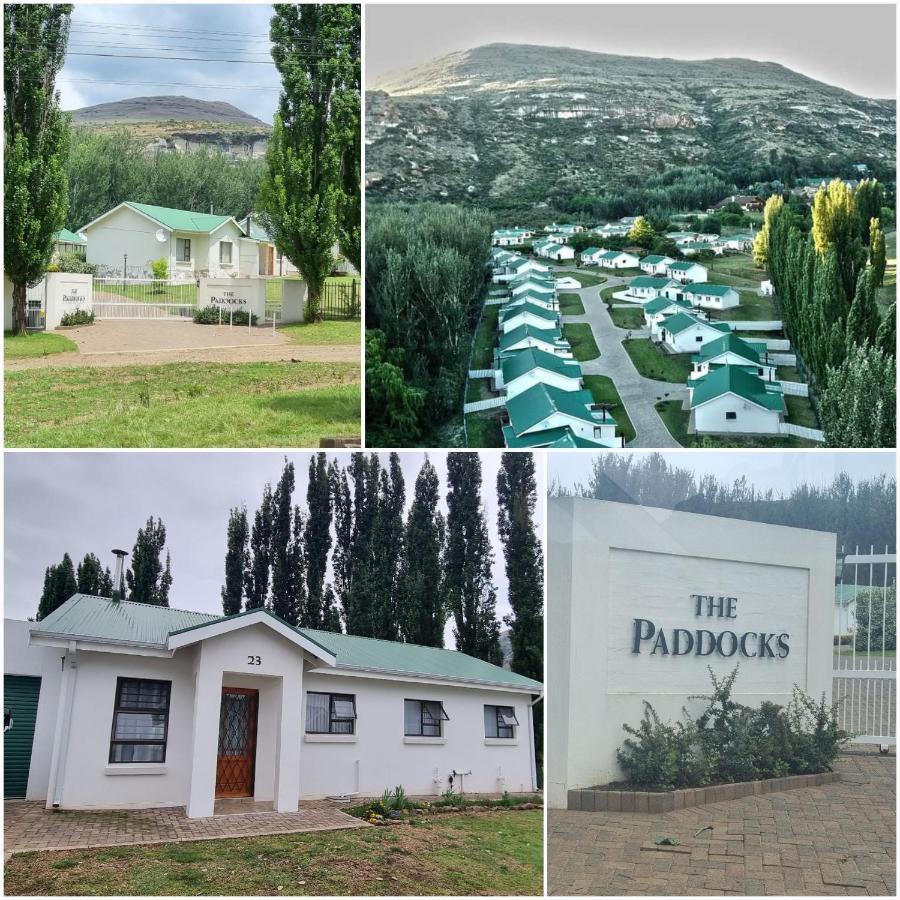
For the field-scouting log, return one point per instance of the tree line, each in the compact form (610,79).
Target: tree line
(147,580)
(825,282)
(425,267)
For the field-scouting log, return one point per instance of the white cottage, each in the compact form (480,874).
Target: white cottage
(131,706)
(618,259)
(559,252)
(523,369)
(686,271)
(712,296)
(655,265)
(685,333)
(734,400)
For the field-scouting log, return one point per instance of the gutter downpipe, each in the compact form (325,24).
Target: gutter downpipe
(64,726)
(531,747)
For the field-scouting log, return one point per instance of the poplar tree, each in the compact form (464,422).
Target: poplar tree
(422,614)
(147,580)
(36,143)
(877,251)
(869,198)
(285,603)
(59,586)
(468,583)
(365,472)
(237,561)
(315,48)
(257,586)
(862,322)
(835,224)
(331,617)
(886,338)
(516,500)
(92,578)
(387,547)
(316,539)
(342,505)
(761,243)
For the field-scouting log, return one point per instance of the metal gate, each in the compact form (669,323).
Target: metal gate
(864,675)
(144,298)
(36,306)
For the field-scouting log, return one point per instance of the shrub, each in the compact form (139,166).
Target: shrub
(729,742)
(883,607)
(160,269)
(209,315)
(73,263)
(77,317)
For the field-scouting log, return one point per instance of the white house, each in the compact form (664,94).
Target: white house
(532,282)
(193,244)
(271,262)
(510,237)
(524,369)
(712,296)
(544,299)
(647,287)
(655,265)
(731,350)
(685,333)
(136,706)
(692,248)
(526,336)
(656,311)
(618,259)
(590,256)
(732,399)
(766,288)
(516,268)
(66,241)
(686,271)
(558,252)
(527,314)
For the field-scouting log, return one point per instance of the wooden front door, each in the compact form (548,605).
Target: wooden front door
(237,742)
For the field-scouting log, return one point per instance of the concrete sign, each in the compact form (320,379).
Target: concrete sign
(642,602)
(234,294)
(67,293)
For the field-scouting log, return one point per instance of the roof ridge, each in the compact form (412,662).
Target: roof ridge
(192,612)
(368,637)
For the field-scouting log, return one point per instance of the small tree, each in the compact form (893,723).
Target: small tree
(876,619)
(641,232)
(877,251)
(160,269)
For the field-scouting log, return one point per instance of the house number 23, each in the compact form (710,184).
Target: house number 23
(254,660)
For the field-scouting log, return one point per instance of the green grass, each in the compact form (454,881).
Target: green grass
(485,339)
(571,305)
(182,292)
(736,269)
(753,308)
(588,280)
(273,285)
(35,343)
(800,412)
(329,331)
(270,404)
(652,362)
(581,337)
(498,853)
(787,373)
(485,429)
(632,319)
(606,295)
(604,390)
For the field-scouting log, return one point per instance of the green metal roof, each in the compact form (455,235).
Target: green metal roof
(100,618)
(654,260)
(680,322)
(533,406)
(612,254)
(661,303)
(683,265)
(68,237)
(730,343)
(180,219)
(524,361)
(589,251)
(736,380)
(255,231)
(547,336)
(648,281)
(708,290)
(551,437)
(509,312)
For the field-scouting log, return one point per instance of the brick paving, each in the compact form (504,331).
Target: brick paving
(29,826)
(835,839)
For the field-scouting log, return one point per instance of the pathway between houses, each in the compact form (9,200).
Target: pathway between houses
(638,394)
(29,826)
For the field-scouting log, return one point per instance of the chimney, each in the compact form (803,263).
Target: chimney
(119,577)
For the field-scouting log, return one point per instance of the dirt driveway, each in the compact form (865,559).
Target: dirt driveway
(121,343)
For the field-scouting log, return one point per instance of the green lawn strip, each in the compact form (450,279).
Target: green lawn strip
(35,343)
(676,420)
(329,331)
(787,373)
(652,362)
(800,411)
(604,390)
(499,853)
(588,280)
(179,292)
(606,295)
(267,404)
(485,339)
(479,389)
(581,337)
(485,429)
(571,305)
(739,267)
(273,285)
(628,318)
(753,308)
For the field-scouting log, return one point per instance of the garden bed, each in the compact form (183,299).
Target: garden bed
(606,799)
(395,806)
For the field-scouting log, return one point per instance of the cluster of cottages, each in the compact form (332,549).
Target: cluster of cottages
(533,369)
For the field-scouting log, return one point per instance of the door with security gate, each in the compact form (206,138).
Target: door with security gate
(236,764)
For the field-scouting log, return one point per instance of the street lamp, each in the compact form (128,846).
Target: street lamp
(124,271)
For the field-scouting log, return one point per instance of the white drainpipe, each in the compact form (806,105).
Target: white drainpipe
(531,747)
(70,672)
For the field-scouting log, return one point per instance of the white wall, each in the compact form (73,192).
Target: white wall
(610,564)
(227,232)
(67,293)
(686,341)
(238,294)
(542,376)
(125,231)
(751,419)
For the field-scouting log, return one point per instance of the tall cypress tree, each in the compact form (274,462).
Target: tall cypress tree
(468,583)
(316,539)
(257,586)
(59,586)
(92,578)
(877,251)
(147,580)
(516,500)
(342,505)
(331,617)
(422,613)
(284,598)
(387,543)
(862,322)
(365,472)
(886,339)
(237,561)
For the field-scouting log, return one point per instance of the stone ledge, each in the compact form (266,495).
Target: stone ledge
(668,801)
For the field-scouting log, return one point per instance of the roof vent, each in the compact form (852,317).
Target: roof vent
(119,577)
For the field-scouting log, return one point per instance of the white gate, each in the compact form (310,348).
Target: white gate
(36,306)
(145,298)
(865,668)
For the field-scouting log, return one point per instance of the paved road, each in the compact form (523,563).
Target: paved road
(638,394)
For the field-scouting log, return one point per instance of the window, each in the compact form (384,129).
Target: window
(225,253)
(140,721)
(330,713)
(182,249)
(730,416)
(500,722)
(699,338)
(423,718)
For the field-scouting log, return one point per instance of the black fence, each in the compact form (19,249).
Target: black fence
(341,300)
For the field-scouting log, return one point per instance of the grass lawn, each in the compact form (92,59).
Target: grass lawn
(787,373)
(604,391)
(588,280)
(571,305)
(273,285)
(736,269)
(628,318)
(652,362)
(581,337)
(180,292)
(485,339)
(35,343)
(606,295)
(485,429)
(498,853)
(266,404)
(753,308)
(329,331)
(800,412)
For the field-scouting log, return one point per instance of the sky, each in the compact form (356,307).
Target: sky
(822,41)
(764,468)
(60,502)
(205,34)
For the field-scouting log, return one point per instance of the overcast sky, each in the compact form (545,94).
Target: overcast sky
(764,468)
(206,34)
(91,502)
(853,47)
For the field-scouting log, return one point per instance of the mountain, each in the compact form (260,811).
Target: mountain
(181,124)
(509,124)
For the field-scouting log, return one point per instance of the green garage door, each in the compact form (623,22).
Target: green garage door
(20,699)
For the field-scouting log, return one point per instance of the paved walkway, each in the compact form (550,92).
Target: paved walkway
(836,839)
(29,826)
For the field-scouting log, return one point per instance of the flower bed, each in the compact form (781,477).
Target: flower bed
(395,806)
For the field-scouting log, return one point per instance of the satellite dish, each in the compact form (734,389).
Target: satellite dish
(162,236)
